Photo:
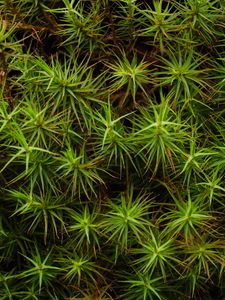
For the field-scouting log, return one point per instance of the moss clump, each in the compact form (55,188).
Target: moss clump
(112,149)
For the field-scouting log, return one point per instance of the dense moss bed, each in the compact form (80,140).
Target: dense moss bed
(112,149)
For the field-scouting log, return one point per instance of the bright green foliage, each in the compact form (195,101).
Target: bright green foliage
(80,172)
(81,23)
(126,220)
(77,268)
(143,287)
(159,136)
(112,140)
(183,73)
(38,270)
(132,74)
(112,149)
(202,17)
(159,23)
(45,210)
(188,218)
(156,254)
(86,228)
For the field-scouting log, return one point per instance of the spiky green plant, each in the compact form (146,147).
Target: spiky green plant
(159,23)
(159,135)
(81,23)
(85,228)
(183,72)
(81,172)
(130,74)
(204,256)
(112,149)
(189,218)
(125,221)
(43,210)
(79,268)
(144,287)
(38,270)
(202,17)
(112,141)
(157,255)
